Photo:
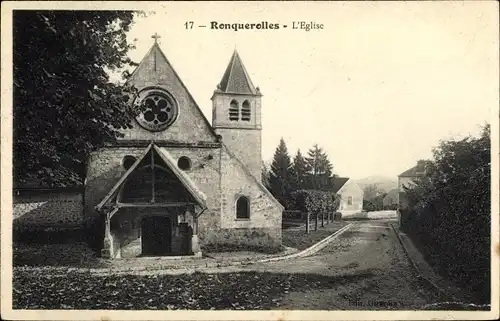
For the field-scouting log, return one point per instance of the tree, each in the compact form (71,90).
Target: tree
(265,176)
(64,103)
(452,201)
(280,175)
(300,171)
(370,192)
(374,204)
(320,169)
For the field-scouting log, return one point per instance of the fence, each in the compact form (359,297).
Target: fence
(310,219)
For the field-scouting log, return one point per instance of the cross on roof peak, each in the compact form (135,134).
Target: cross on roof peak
(156,37)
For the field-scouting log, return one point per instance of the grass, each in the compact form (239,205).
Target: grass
(300,240)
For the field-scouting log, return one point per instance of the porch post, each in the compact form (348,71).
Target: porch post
(107,249)
(195,244)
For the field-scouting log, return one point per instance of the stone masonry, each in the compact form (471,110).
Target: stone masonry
(224,164)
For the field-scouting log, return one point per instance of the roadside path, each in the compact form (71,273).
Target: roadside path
(367,269)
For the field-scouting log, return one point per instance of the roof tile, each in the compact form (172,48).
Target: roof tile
(236,79)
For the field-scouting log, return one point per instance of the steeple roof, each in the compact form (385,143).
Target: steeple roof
(236,79)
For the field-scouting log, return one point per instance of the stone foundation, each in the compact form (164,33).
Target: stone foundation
(257,239)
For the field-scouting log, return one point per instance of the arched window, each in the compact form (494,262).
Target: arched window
(234,111)
(245,111)
(242,207)
(349,200)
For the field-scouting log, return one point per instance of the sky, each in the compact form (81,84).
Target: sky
(377,88)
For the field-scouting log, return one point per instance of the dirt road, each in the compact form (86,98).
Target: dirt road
(367,269)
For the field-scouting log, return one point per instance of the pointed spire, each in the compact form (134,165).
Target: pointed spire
(236,79)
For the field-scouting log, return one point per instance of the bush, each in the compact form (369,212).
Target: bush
(391,207)
(337,216)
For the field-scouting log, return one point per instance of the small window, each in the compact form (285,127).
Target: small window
(243,207)
(245,111)
(234,111)
(128,161)
(184,163)
(349,200)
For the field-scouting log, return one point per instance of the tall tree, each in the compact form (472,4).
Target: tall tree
(64,103)
(300,171)
(320,169)
(280,178)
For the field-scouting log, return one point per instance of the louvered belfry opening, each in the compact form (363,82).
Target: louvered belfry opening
(234,112)
(245,111)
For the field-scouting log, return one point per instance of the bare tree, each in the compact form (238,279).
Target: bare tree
(370,192)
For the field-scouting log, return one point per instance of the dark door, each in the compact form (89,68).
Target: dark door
(156,234)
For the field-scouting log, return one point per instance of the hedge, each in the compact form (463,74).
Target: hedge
(315,202)
(447,213)
(293,215)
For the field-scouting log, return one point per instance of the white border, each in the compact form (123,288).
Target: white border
(6,204)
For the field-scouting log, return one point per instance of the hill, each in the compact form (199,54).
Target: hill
(382,182)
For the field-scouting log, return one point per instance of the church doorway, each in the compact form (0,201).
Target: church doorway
(156,236)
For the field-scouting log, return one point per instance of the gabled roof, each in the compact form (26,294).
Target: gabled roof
(153,52)
(416,171)
(338,182)
(198,195)
(236,80)
(393,193)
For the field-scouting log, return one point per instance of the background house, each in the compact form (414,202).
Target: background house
(391,200)
(407,178)
(351,195)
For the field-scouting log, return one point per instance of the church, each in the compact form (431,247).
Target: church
(175,184)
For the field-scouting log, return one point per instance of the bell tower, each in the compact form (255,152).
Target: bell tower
(236,107)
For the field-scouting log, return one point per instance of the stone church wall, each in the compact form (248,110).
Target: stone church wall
(48,209)
(246,145)
(205,173)
(105,169)
(191,125)
(261,230)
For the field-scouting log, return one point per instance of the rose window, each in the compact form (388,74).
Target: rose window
(158,109)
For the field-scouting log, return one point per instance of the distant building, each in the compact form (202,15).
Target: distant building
(391,199)
(351,195)
(407,178)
